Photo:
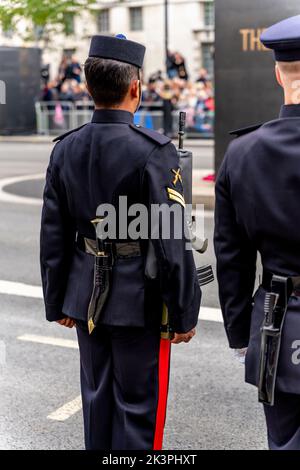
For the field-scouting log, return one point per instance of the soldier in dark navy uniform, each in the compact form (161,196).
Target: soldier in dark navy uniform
(257,211)
(124,361)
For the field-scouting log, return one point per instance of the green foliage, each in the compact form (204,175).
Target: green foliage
(42,15)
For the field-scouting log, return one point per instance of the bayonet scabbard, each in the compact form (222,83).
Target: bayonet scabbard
(103,262)
(276,303)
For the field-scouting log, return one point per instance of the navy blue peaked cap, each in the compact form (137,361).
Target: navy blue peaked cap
(117,48)
(284,39)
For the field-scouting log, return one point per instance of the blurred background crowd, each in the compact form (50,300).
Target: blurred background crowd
(174,92)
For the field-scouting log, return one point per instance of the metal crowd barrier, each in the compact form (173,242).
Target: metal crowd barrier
(57,117)
(54,117)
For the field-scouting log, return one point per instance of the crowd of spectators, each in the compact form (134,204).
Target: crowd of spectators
(195,98)
(176,92)
(68,84)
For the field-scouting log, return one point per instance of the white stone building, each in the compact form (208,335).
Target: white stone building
(191,31)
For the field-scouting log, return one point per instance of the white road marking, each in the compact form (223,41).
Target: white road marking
(211,314)
(206,313)
(20,289)
(27,290)
(53,341)
(7,197)
(67,410)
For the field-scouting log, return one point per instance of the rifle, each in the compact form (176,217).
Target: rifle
(204,273)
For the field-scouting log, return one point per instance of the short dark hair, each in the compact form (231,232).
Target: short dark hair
(108,80)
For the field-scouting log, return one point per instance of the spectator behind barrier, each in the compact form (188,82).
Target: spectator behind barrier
(174,93)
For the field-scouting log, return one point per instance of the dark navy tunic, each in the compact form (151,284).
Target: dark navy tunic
(257,211)
(105,159)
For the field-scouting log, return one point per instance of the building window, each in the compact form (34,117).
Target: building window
(103,21)
(38,32)
(208,58)
(209,13)
(8,33)
(69,23)
(136,18)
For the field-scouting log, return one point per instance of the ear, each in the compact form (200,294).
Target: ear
(134,89)
(278,75)
(87,87)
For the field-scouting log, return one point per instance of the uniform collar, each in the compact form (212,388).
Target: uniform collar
(290,110)
(112,115)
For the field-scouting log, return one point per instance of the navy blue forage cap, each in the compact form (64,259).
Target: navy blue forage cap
(117,48)
(284,39)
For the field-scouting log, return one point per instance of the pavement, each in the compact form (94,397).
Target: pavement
(203,191)
(36,138)
(27,139)
(210,406)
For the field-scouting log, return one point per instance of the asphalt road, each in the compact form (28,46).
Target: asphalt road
(210,407)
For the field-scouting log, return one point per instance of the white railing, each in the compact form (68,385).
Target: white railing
(57,117)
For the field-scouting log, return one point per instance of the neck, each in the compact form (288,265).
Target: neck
(289,101)
(291,96)
(121,107)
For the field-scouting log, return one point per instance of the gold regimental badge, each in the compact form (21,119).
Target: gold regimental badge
(177,176)
(176,196)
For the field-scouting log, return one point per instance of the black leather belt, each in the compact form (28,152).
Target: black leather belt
(267,280)
(118,250)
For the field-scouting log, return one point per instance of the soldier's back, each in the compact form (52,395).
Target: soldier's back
(263,167)
(104,160)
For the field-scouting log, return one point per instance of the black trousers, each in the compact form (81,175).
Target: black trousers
(124,386)
(283,422)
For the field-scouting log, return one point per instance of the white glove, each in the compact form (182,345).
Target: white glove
(240,354)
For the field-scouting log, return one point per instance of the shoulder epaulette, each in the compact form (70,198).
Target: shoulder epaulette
(245,130)
(160,139)
(62,136)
